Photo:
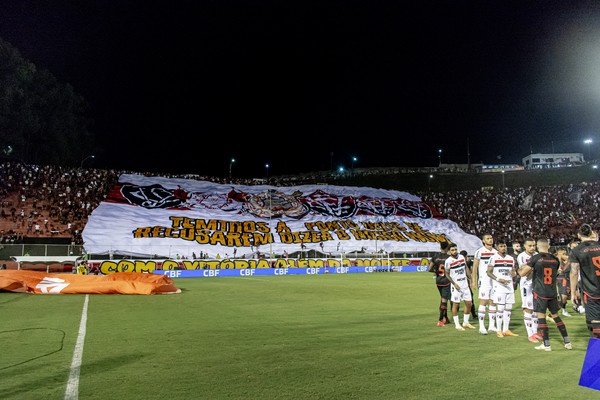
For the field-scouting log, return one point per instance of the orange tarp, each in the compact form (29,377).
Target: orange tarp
(116,283)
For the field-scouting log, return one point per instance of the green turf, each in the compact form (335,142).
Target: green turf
(352,336)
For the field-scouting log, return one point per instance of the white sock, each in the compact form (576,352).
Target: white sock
(481,316)
(499,317)
(492,314)
(528,323)
(507,314)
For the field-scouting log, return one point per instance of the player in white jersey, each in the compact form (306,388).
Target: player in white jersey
(481,280)
(529,317)
(458,274)
(501,270)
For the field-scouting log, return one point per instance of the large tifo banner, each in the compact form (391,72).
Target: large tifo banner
(163,217)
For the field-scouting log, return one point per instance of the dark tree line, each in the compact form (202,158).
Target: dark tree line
(42,121)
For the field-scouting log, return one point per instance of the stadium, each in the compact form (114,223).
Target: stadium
(250,200)
(261,328)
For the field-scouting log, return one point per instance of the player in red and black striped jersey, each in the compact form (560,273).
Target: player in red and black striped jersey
(436,265)
(585,262)
(544,267)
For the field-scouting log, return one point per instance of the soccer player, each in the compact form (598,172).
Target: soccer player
(436,265)
(577,306)
(529,317)
(514,252)
(481,280)
(585,262)
(459,276)
(543,268)
(501,270)
(562,280)
(469,261)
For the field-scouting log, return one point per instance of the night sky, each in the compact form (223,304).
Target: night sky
(184,86)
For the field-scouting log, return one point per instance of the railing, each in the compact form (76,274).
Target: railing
(18,250)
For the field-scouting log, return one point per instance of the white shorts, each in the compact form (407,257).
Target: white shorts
(500,297)
(527,297)
(485,292)
(460,294)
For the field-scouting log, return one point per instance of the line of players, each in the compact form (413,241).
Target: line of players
(496,275)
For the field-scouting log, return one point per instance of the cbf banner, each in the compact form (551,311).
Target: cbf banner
(157,216)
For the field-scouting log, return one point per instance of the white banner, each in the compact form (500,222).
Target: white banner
(157,216)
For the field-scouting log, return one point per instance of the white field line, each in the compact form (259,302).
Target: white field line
(72,392)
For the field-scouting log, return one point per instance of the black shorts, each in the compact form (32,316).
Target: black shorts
(592,308)
(563,285)
(445,292)
(540,304)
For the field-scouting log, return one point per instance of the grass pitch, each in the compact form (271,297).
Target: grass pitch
(344,336)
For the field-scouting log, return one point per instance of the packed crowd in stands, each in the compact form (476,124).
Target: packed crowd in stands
(516,213)
(51,201)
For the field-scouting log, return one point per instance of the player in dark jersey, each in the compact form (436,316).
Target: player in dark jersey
(563,280)
(436,265)
(544,268)
(585,263)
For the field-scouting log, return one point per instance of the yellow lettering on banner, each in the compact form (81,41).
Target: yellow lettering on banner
(176,221)
(316,263)
(342,235)
(202,237)
(110,266)
(236,226)
(213,264)
(292,263)
(305,237)
(257,233)
(169,265)
(422,236)
(142,232)
(282,227)
(125,266)
(187,234)
(189,264)
(262,263)
(414,227)
(286,238)
(242,264)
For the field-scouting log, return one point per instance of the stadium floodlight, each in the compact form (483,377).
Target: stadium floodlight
(588,142)
(230,165)
(86,158)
